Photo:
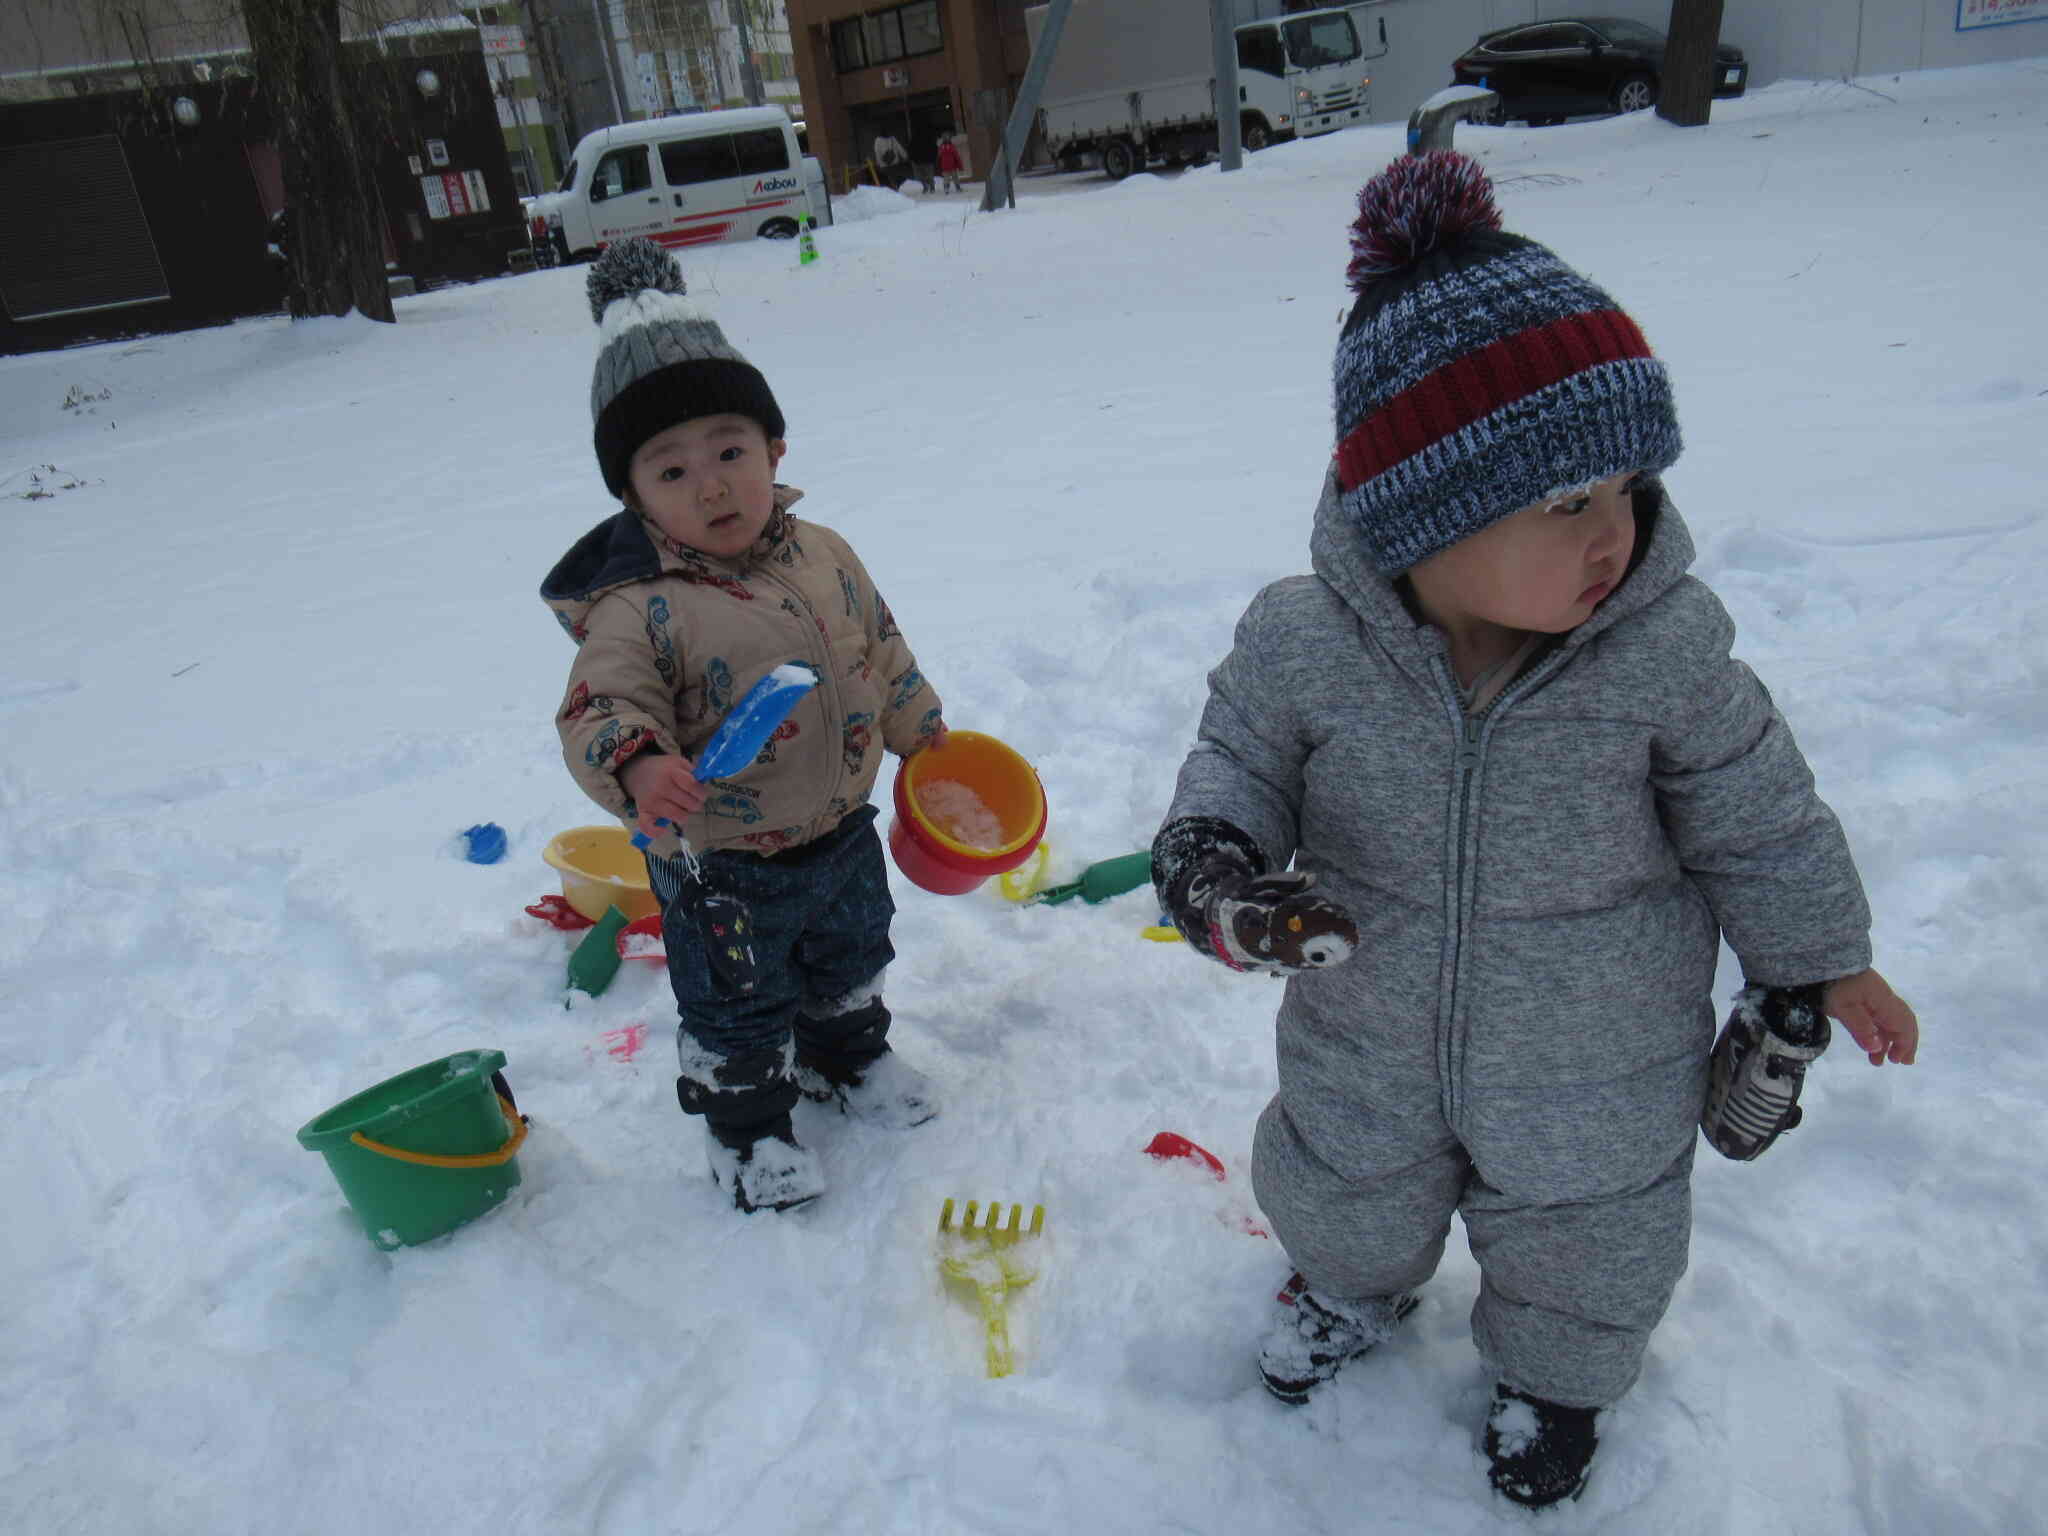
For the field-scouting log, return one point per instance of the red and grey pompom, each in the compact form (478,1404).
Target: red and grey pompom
(1416,205)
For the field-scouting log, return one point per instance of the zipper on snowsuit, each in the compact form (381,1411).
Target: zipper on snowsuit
(1470,732)
(1462,852)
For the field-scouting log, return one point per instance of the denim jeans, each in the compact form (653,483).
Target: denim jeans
(772,956)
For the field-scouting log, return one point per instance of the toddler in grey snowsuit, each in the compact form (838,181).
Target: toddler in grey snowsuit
(1525,789)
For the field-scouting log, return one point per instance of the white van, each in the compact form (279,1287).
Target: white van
(693,179)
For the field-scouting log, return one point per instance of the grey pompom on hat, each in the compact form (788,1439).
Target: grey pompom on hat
(660,362)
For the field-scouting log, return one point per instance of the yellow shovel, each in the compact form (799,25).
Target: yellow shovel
(980,1253)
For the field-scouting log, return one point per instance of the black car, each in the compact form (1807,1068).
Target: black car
(1550,70)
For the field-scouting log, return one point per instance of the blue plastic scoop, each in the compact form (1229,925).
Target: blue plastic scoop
(748,725)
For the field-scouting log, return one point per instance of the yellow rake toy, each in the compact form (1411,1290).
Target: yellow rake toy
(991,1258)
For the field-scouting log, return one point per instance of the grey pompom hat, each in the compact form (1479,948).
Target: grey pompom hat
(659,361)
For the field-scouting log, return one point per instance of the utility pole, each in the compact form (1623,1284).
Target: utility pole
(750,77)
(1229,127)
(1687,94)
(614,81)
(510,92)
(1002,174)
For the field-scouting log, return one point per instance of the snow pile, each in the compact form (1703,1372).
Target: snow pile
(866,202)
(271,639)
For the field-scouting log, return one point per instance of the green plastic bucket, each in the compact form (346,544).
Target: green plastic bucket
(423,1152)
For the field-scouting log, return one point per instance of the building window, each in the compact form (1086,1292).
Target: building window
(921,29)
(883,37)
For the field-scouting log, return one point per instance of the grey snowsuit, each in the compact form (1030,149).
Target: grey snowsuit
(1523,1033)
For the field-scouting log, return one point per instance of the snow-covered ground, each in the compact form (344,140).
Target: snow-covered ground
(273,641)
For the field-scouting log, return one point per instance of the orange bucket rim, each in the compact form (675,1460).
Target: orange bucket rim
(912,774)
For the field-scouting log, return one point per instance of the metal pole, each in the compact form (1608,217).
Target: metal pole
(750,78)
(614,81)
(1223,41)
(1026,108)
(519,119)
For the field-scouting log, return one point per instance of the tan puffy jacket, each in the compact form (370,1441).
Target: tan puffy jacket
(668,639)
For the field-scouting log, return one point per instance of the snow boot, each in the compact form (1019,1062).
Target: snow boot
(762,1164)
(1758,1064)
(881,1090)
(1539,1451)
(1313,1335)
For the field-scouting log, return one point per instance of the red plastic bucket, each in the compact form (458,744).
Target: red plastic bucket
(1003,783)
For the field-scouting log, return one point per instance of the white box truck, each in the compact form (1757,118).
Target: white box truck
(1133,81)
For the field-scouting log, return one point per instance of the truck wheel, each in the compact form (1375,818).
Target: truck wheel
(778,229)
(1119,159)
(1254,135)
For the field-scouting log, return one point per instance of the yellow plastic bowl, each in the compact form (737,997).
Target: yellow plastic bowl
(601,868)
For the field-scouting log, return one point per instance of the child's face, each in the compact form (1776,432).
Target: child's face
(708,482)
(1543,569)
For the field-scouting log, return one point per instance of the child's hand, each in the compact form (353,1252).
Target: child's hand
(936,739)
(663,789)
(1877,1018)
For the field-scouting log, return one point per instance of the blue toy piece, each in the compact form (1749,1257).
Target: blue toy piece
(486,843)
(748,725)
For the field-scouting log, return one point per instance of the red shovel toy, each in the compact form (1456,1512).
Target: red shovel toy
(1171,1146)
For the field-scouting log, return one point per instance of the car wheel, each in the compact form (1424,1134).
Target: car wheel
(778,229)
(1119,159)
(1635,94)
(1495,116)
(1254,135)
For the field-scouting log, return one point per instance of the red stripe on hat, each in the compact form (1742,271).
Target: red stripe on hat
(1474,386)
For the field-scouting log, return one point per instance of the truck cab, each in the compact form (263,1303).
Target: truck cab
(1133,81)
(1300,76)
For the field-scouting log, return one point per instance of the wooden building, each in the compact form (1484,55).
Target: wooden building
(912,71)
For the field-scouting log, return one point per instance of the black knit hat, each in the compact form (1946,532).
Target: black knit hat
(1477,373)
(659,361)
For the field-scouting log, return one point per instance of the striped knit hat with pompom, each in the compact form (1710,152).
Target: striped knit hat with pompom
(1477,374)
(659,361)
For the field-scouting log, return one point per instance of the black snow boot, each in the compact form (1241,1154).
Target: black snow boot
(1758,1065)
(748,1140)
(1313,1335)
(762,1165)
(1540,1451)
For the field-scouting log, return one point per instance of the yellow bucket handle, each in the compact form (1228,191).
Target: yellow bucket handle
(504,1154)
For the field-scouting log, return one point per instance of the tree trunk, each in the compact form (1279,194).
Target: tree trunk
(1686,94)
(335,245)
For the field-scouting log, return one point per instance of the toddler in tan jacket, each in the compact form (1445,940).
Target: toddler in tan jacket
(776,914)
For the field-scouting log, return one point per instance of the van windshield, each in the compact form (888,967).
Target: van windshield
(1317,40)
